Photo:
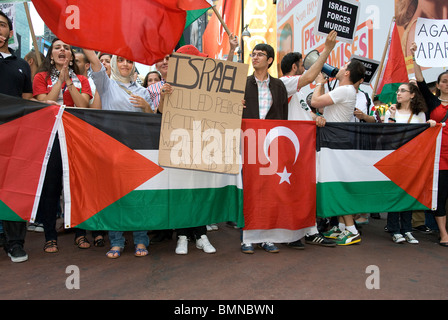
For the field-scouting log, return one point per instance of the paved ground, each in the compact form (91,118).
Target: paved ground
(406,271)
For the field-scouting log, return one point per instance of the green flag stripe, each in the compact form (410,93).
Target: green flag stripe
(7,214)
(187,208)
(342,198)
(388,93)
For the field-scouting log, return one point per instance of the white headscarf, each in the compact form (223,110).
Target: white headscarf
(115,73)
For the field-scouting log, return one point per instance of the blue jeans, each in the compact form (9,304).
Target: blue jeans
(399,222)
(117,239)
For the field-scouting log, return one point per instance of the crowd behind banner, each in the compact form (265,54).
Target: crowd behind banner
(87,79)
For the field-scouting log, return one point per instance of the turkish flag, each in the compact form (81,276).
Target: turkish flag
(139,30)
(279,177)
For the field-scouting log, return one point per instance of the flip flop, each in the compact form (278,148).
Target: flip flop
(114,253)
(444,244)
(141,252)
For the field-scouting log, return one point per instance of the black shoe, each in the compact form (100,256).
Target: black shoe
(320,240)
(296,245)
(2,240)
(422,229)
(17,254)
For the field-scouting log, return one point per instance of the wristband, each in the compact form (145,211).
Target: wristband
(392,119)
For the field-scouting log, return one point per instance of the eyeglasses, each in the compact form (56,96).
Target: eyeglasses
(402,91)
(258,54)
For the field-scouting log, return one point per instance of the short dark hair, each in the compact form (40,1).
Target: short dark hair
(357,70)
(7,19)
(288,61)
(268,49)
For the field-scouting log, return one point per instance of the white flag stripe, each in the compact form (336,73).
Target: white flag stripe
(338,165)
(174,178)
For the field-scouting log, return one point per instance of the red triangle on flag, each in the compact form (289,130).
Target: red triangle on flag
(24,142)
(101,169)
(415,161)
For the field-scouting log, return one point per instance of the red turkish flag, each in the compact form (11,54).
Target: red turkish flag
(279,178)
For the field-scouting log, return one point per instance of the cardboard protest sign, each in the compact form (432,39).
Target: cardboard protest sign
(371,67)
(338,15)
(431,37)
(201,122)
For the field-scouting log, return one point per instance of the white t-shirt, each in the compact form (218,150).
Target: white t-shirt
(344,99)
(404,117)
(298,109)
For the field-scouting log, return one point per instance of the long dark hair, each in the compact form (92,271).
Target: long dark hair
(417,104)
(438,93)
(47,67)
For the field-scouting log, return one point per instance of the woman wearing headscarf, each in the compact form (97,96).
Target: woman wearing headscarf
(120,92)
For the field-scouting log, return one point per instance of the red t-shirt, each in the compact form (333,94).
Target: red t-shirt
(42,86)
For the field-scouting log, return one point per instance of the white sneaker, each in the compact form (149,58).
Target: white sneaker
(398,238)
(204,244)
(410,238)
(212,227)
(182,245)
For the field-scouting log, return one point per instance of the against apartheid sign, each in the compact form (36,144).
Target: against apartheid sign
(338,15)
(431,37)
(201,121)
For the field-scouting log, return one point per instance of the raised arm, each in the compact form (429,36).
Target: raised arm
(417,70)
(316,68)
(95,63)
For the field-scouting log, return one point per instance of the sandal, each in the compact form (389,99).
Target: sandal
(140,252)
(99,241)
(82,242)
(114,254)
(51,246)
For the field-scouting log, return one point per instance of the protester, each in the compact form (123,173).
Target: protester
(151,78)
(410,108)
(265,98)
(84,66)
(338,107)
(105,59)
(294,79)
(59,79)
(160,89)
(31,58)
(119,92)
(199,234)
(15,80)
(437,110)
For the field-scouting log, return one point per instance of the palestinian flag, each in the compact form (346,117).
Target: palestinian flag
(394,73)
(112,180)
(27,131)
(279,177)
(365,168)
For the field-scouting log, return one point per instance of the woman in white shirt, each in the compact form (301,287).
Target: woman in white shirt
(410,107)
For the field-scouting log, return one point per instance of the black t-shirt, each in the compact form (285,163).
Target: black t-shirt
(15,76)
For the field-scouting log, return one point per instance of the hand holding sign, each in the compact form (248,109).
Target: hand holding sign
(431,36)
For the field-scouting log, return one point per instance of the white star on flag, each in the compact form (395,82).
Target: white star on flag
(284,176)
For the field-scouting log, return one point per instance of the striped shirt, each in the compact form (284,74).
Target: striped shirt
(264,97)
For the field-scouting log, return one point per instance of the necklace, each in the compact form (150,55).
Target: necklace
(443,100)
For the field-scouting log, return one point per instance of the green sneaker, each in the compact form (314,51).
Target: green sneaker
(346,238)
(333,233)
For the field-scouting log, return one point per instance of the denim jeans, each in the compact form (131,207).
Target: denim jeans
(399,222)
(117,239)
